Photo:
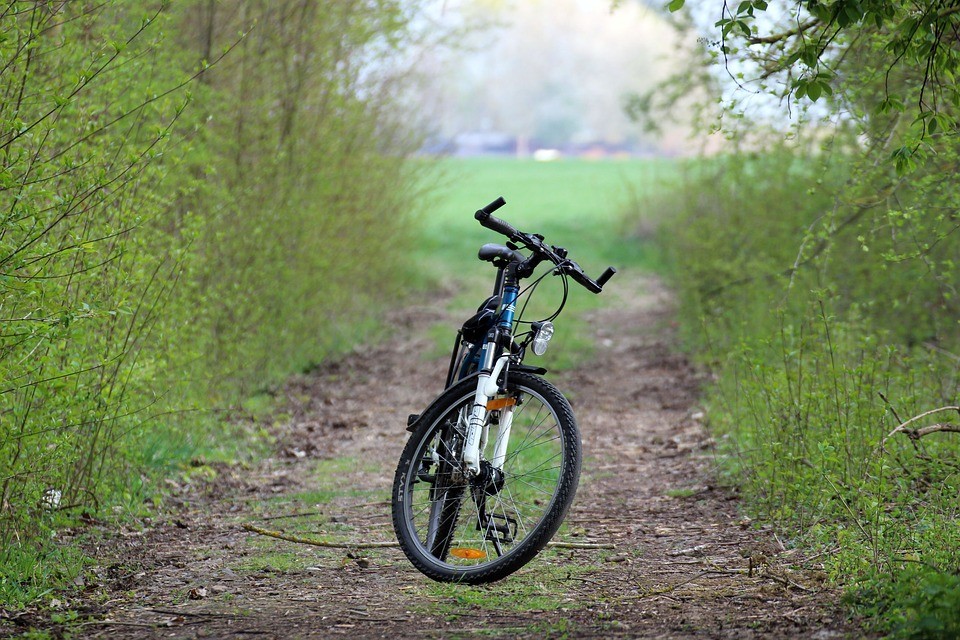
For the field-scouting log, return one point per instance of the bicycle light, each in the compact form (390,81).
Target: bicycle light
(542,337)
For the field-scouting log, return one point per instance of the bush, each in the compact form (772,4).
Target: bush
(827,320)
(165,252)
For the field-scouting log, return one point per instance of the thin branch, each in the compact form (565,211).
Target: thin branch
(916,434)
(280,535)
(581,545)
(318,543)
(946,427)
(777,37)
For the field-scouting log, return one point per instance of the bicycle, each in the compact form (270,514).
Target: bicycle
(473,509)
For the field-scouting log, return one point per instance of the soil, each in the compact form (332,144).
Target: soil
(687,562)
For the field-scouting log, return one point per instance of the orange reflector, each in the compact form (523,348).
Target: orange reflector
(467,554)
(500,403)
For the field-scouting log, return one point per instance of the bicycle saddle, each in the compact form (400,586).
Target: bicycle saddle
(491,252)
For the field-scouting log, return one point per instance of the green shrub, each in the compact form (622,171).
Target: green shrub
(826,322)
(164,252)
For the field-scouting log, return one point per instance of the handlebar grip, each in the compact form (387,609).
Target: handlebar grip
(606,275)
(584,281)
(495,224)
(493,206)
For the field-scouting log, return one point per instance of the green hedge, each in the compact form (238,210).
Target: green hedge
(195,201)
(818,290)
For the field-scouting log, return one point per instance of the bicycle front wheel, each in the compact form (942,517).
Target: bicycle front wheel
(457,527)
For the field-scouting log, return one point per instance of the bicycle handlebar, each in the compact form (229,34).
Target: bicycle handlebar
(540,248)
(495,224)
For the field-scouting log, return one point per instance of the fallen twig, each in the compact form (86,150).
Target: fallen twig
(319,543)
(194,614)
(113,623)
(289,537)
(582,545)
(303,514)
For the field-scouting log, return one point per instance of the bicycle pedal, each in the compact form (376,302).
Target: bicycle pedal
(494,530)
(424,475)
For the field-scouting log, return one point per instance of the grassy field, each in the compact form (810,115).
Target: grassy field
(577,204)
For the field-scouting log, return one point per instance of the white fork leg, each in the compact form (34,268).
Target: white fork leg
(503,438)
(486,387)
(471,446)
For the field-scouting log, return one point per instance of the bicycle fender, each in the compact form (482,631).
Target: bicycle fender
(413,420)
(528,368)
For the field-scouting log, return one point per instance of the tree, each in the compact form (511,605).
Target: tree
(812,49)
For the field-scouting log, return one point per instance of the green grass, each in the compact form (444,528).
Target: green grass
(575,203)
(27,574)
(681,493)
(269,558)
(580,205)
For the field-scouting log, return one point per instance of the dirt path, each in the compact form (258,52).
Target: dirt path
(686,564)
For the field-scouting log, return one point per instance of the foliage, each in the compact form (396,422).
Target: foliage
(86,268)
(819,282)
(165,251)
(820,343)
(300,167)
(932,605)
(804,47)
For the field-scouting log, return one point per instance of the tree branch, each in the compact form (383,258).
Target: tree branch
(280,535)
(916,434)
(777,37)
(318,543)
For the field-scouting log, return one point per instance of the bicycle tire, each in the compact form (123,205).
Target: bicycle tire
(458,540)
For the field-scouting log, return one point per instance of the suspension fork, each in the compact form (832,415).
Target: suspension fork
(477,426)
(503,438)
(491,367)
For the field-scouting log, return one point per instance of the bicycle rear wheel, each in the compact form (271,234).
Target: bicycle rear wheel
(483,528)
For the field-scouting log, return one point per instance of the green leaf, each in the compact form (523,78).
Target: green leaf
(675,5)
(903,158)
(853,12)
(809,56)
(891,102)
